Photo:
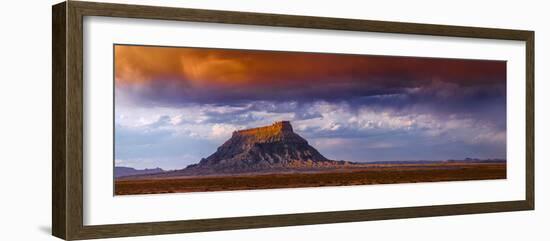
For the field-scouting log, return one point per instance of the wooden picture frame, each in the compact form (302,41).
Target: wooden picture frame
(67,124)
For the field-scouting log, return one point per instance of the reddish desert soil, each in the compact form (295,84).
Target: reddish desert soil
(342,177)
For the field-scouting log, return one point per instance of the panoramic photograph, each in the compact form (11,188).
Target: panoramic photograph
(189,119)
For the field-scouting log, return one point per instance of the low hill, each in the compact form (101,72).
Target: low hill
(128,171)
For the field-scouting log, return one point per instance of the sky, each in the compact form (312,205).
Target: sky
(176,105)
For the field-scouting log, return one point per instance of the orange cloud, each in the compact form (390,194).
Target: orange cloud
(201,67)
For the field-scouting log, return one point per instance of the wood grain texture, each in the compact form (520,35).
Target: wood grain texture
(530,120)
(75,108)
(138,229)
(67,150)
(58,121)
(279,20)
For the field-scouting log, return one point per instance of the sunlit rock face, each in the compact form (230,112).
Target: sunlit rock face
(263,149)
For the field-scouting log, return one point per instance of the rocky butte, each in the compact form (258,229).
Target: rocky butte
(272,148)
(275,156)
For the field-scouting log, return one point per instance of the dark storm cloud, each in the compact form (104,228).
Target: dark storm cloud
(172,76)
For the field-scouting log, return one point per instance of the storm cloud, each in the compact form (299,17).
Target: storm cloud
(352,107)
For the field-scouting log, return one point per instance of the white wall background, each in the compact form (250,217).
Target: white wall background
(25,120)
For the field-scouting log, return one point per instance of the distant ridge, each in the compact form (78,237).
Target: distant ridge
(467,160)
(128,171)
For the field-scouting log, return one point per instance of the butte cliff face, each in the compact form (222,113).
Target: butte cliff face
(270,148)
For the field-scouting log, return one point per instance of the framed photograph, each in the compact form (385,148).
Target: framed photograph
(160,114)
